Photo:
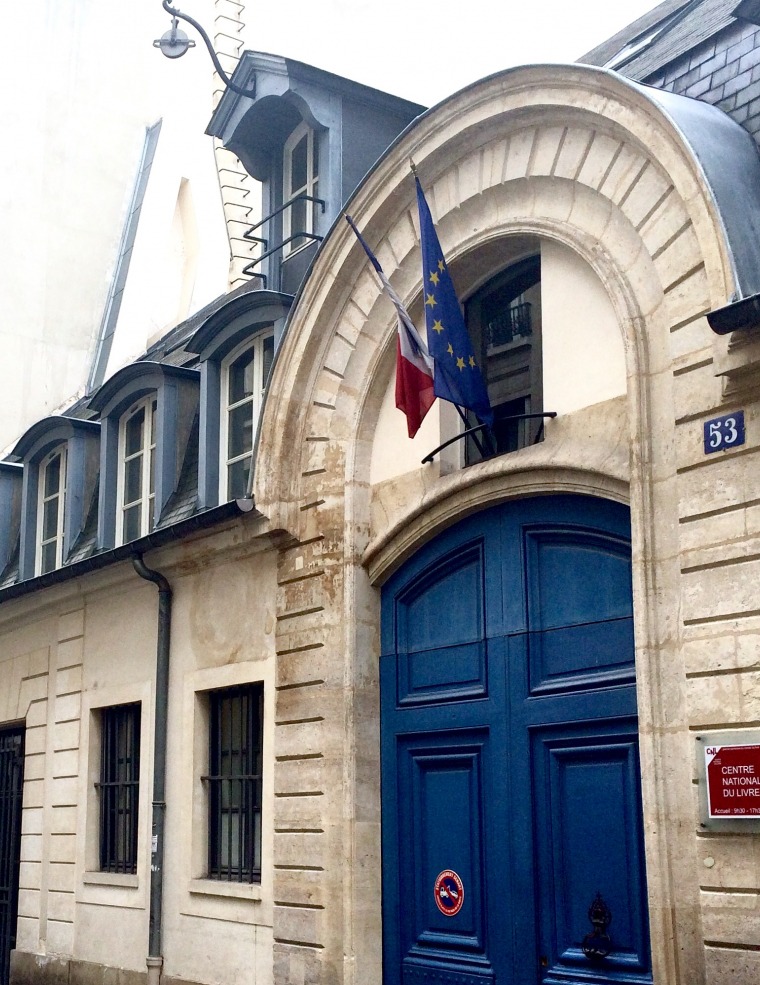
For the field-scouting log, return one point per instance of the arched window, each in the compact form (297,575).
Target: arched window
(504,321)
(137,479)
(244,376)
(51,510)
(300,177)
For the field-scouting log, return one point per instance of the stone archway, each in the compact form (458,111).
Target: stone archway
(569,154)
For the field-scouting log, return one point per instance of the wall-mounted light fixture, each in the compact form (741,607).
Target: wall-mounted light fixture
(175,43)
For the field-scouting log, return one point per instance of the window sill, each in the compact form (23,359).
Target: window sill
(234,890)
(126,880)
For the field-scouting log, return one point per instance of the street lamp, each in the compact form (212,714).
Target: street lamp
(175,43)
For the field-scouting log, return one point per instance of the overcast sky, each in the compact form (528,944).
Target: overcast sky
(424,51)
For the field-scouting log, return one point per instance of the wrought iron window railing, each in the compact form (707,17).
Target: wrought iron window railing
(515,322)
(234,783)
(119,787)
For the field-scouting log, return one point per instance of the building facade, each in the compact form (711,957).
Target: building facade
(290,697)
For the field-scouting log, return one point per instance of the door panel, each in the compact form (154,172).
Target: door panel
(441,776)
(586,797)
(509,752)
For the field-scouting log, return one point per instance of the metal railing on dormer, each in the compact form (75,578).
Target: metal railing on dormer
(248,270)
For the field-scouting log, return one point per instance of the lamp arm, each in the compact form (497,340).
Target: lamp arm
(207,41)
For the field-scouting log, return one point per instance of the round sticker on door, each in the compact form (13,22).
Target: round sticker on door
(449,893)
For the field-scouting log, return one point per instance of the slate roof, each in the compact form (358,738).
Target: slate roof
(182,505)
(685,24)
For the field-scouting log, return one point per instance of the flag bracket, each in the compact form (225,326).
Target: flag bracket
(481,427)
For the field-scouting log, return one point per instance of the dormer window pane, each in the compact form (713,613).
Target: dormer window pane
(51,510)
(240,431)
(241,378)
(301,177)
(298,173)
(267,347)
(50,523)
(131,523)
(132,479)
(237,478)
(53,476)
(246,370)
(138,470)
(134,432)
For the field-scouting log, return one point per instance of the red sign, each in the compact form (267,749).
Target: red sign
(448,892)
(733,781)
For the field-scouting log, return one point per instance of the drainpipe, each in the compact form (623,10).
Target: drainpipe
(154,959)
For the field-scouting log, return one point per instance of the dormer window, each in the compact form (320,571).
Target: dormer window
(60,457)
(245,374)
(149,420)
(137,485)
(301,177)
(236,348)
(52,503)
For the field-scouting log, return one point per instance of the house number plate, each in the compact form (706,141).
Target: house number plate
(724,432)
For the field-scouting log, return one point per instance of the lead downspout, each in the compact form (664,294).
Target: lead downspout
(154,960)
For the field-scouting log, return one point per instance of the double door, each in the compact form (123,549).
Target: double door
(512,829)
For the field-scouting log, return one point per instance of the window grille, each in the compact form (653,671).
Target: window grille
(234,783)
(119,787)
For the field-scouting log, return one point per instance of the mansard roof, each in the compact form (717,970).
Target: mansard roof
(681,25)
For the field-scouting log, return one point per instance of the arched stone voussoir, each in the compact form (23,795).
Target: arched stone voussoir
(566,152)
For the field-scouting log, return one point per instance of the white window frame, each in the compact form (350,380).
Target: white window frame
(255,400)
(57,538)
(310,188)
(147,496)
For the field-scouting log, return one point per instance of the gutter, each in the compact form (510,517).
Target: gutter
(125,552)
(735,317)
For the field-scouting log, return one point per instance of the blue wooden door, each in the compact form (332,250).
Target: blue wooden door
(512,832)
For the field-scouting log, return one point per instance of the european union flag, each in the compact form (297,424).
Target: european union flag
(457,376)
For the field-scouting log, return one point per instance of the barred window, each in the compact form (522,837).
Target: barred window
(234,783)
(119,787)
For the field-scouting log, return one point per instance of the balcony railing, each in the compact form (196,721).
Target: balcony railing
(249,270)
(514,323)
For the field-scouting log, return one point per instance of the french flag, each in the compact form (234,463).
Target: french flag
(414,365)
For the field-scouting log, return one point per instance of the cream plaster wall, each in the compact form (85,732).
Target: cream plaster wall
(81,83)
(89,644)
(583,352)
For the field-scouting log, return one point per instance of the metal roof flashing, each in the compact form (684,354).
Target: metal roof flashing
(729,161)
